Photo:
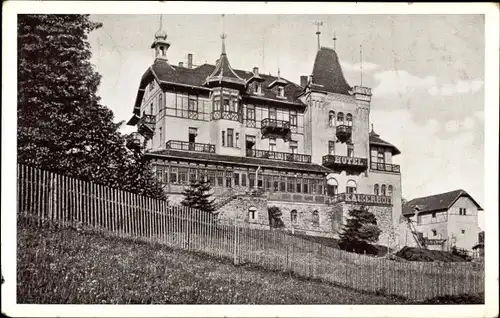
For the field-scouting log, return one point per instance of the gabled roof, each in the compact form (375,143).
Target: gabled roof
(377,141)
(327,72)
(171,75)
(244,161)
(436,202)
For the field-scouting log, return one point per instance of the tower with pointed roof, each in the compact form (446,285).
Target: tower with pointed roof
(160,44)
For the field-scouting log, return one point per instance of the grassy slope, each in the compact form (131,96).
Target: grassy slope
(64,266)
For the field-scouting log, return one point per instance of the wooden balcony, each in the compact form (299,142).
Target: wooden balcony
(335,162)
(275,155)
(190,146)
(273,128)
(344,133)
(387,167)
(226,114)
(146,126)
(361,199)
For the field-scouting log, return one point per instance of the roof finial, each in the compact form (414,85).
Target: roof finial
(372,128)
(361,63)
(334,41)
(161,34)
(223,37)
(318,24)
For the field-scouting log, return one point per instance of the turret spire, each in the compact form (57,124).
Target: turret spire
(318,32)
(160,43)
(334,41)
(223,37)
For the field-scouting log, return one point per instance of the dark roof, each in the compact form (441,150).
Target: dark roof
(223,72)
(377,141)
(327,72)
(436,202)
(167,74)
(245,161)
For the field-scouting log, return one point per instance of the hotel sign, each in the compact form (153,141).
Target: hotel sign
(343,161)
(362,199)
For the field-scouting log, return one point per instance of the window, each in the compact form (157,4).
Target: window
(237,140)
(276,183)
(433,215)
(381,156)
(389,190)
(293,146)
(291,184)
(192,107)
(216,103)
(220,178)
(226,104)
(230,135)
(463,231)
(252,213)
(349,120)
(350,150)
(293,216)
(223,138)
(313,184)
(251,112)
(183,175)
(211,177)
(375,189)
(293,118)
(267,182)
(257,88)
(340,118)
(434,233)
(160,102)
(383,188)
(272,113)
(331,118)
(281,91)
(331,147)
(272,144)
(229,179)
(299,185)
(173,176)
(315,218)
(161,135)
(151,109)
(192,133)
(236,179)
(305,185)
(351,186)
(462,211)
(243,179)
(283,184)
(251,180)
(192,175)
(331,187)
(233,107)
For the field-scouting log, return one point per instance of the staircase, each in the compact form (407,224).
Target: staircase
(416,235)
(227,196)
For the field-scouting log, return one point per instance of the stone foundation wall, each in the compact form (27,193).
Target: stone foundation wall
(239,209)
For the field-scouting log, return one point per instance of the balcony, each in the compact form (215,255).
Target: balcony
(275,155)
(190,146)
(273,128)
(146,125)
(226,114)
(361,199)
(344,133)
(335,162)
(134,141)
(387,167)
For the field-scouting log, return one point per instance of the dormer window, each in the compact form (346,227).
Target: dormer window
(281,91)
(257,88)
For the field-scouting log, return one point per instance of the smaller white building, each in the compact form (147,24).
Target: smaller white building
(443,220)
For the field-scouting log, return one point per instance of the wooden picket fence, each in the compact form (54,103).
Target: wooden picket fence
(47,197)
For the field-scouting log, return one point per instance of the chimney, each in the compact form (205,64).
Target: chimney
(303,80)
(255,71)
(181,64)
(190,60)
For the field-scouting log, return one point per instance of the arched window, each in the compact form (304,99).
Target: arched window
(349,120)
(331,118)
(340,118)
(252,213)
(350,186)
(332,187)
(315,218)
(293,216)
(375,189)
(383,190)
(389,190)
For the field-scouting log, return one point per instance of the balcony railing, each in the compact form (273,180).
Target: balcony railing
(273,128)
(146,125)
(385,167)
(343,132)
(342,162)
(190,146)
(134,141)
(276,155)
(147,119)
(226,114)
(361,199)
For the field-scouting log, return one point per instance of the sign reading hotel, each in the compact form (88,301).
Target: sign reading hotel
(362,199)
(350,161)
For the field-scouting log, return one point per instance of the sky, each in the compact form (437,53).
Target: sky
(426,73)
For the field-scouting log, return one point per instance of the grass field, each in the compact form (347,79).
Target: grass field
(66,266)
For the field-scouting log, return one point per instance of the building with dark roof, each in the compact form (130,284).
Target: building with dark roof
(448,219)
(307,146)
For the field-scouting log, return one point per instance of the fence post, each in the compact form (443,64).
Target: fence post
(235,256)
(52,197)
